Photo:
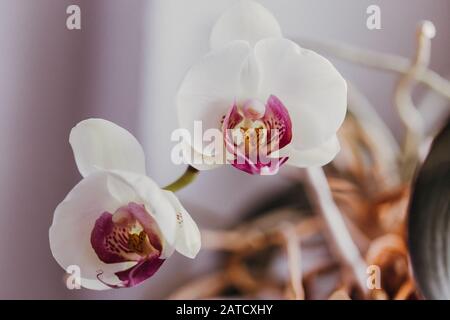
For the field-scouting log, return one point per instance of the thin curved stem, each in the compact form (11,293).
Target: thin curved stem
(409,114)
(379,60)
(187,178)
(338,234)
(293,250)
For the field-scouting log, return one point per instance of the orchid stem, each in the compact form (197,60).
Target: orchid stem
(408,112)
(187,178)
(293,250)
(346,250)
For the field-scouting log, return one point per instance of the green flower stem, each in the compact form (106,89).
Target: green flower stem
(188,177)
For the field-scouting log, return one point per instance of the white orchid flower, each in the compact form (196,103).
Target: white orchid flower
(117,225)
(255,79)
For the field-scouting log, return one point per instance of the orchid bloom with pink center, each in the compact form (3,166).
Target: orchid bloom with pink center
(117,225)
(253,81)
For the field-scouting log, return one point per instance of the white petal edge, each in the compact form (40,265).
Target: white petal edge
(188,238)
(248,21)
(309,86)
(143,190)
(210,89)
(102,145)
(93,284)
(73,221)
(201,161)
(318,156)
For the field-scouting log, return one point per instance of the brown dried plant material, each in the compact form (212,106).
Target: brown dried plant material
(389,253)
(202,287)
(321,268)
(252,239)
(361,158)
(392,213)
(240,277)
(339,294)
(378,294)
(384,246)
(406,291)
(388,250)
(362,240)
(351,198)
(357,203)
(351,158)
(375,214)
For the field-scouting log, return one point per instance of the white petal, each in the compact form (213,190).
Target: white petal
(210,89)
(312,90)
(202,161)
(72,225)
(318,156)
(100,144)
(248,21)
(93,284)
(188,238)
(143,190)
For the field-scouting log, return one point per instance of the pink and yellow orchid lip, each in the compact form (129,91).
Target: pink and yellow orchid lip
(253,137)
(128,235)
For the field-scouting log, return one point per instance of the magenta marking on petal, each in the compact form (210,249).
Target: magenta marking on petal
(112,286)
(114,237)
(232,118)
(140,272)
(106,251)
(130,234)
(269,168)
(277,118)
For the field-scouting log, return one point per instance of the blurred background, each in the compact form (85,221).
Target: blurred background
(125,65)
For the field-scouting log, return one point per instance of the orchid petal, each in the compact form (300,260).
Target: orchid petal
(318,156)
(96,284)
(72,225)
(188,237)
(210,89)
(277,118)
(140,272)
(201,161)
(102,145)
(248,21)
(309,86)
